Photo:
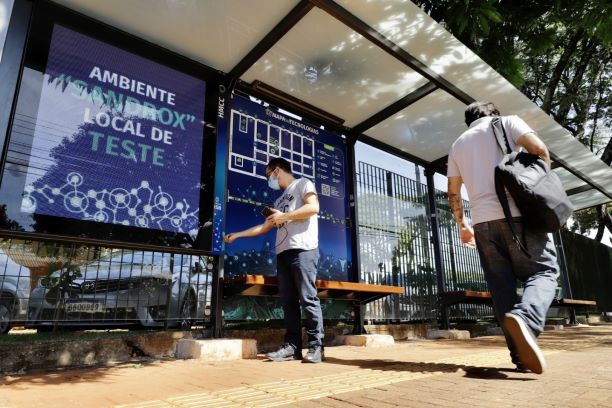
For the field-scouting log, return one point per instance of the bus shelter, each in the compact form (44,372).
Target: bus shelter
(146,125)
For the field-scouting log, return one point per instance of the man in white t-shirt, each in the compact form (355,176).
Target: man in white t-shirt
(297,256)
(472,161)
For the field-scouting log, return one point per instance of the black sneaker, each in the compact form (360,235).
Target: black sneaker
(286,352)
(520,368)
(526,345)
(315,354)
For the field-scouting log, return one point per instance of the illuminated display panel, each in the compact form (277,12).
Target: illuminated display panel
(257,134)
(109,144)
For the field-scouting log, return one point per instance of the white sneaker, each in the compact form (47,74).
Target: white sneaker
(526,345)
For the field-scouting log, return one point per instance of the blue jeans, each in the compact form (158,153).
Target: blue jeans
(504,263)
(297,270)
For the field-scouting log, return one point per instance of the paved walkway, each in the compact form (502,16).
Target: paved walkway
(420,373)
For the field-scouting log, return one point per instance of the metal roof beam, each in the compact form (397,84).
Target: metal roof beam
(286,24)
(391,150)
(395,107)
(578,190)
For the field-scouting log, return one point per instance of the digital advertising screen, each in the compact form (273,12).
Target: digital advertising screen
(109,144)
(257,134)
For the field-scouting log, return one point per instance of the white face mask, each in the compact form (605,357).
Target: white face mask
(273,183)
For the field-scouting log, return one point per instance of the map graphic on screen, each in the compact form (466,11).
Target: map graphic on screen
(303,152)
(257,135)
(117,139)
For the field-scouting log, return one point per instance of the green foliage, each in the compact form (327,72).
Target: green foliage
(556,51)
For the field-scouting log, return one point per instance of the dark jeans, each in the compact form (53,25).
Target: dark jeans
(297,271)
(504,263)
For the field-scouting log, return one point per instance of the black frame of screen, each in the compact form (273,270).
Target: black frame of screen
(45,15)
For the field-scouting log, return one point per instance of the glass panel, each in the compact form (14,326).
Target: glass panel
(49,284)
(425,129)
(394,239)
(588,199)
(402,22)
(216,33)
(326,64)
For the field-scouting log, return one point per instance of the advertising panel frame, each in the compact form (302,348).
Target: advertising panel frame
(46,15)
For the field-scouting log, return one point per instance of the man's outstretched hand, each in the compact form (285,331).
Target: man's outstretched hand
(229,238)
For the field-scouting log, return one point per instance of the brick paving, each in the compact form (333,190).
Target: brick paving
(418,373)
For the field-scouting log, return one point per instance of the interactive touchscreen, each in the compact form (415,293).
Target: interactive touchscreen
(259,133)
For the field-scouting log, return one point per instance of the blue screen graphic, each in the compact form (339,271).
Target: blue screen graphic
(117,139)
(258,134)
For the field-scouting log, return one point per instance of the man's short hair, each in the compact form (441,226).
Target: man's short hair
(281,163)
(477,110)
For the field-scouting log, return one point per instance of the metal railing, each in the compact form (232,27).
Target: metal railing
(395,248)
(49,285)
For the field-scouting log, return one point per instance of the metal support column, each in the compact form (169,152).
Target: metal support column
(563,272)
(435,240)
(565,282)
(10,67)
(358,308)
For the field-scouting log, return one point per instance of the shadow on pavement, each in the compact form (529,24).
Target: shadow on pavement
(72,375)
(485,373)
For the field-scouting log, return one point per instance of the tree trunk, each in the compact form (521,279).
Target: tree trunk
(605,221)
(558,71)
(571,94)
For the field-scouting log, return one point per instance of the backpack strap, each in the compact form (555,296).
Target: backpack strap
(500,135)
(500,190)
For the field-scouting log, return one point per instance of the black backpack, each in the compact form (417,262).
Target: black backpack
(536,190)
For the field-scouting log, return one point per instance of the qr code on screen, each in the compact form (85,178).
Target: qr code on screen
(325,190)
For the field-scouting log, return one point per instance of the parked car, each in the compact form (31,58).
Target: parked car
(14,293)
(123,289)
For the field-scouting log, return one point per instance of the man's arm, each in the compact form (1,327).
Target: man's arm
(456,204)
(534,145)
(250,232)
(307,210)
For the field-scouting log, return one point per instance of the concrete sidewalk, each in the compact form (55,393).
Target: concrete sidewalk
(417,373)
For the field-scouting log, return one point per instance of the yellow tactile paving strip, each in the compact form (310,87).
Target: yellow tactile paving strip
(290,391)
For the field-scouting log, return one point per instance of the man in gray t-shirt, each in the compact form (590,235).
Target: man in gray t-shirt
(472,161)
(297,256)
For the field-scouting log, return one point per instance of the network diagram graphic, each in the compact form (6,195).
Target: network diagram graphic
(139,206)
(265,142)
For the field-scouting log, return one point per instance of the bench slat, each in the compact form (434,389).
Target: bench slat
(259,285)
(574,302)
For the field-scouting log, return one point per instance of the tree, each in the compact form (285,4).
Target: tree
(557,52)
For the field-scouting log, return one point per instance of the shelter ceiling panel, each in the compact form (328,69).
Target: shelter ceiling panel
(216,33)
(410,28)
(568,179)
(425,129)
(588,199)
(328,65)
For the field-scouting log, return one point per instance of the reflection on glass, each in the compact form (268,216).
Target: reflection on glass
(106,136)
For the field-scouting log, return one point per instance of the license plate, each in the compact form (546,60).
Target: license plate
(84,307)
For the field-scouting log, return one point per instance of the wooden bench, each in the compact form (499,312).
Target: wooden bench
(465,296)
(359,293)
(572,304)
(476,297)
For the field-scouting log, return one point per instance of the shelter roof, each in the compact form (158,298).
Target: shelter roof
(382,71)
